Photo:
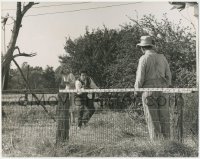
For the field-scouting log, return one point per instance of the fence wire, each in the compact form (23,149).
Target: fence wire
(116,119)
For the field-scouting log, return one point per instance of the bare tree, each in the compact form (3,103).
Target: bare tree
(8,57)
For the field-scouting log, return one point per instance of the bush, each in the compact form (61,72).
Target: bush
(190,116)
(110,56)
(174,149)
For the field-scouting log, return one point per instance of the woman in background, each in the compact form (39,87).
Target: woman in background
(68,82)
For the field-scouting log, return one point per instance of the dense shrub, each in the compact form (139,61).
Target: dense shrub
(110,56)
(190,115)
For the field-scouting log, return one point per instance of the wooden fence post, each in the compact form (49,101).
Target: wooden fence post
(62,115)
(176,103)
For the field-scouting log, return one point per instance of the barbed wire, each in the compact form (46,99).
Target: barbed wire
(164,90)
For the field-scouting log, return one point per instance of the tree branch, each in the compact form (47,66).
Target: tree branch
(134,21)
(8,57)
(33,94)
(24,54)
(17,48)
(27,7)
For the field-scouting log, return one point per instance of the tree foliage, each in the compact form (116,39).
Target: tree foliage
(37,77)
(110,56)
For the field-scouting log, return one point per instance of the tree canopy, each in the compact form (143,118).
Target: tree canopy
(110,56)
(37,77)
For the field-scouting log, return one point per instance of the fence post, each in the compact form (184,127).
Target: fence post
(176,103)
(62,114)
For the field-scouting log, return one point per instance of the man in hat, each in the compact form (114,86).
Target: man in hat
(153,72)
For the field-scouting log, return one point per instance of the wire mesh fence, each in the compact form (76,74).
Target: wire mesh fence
(117,118)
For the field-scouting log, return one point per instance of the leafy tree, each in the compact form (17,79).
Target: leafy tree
(36,76)
(15,80)
(94,52)
(177,44)
(111,57)
(125,65)
(49,77)
(58,76)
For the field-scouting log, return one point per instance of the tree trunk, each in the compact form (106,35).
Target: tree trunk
(62,114)
(176,117)
(11,47)
(12,44)
(5,79)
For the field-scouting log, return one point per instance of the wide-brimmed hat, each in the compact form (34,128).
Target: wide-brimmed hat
(146,41)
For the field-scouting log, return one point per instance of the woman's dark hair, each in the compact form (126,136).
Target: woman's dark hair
(82,71)
(63,70)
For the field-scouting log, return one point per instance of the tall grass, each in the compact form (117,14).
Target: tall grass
(31,133)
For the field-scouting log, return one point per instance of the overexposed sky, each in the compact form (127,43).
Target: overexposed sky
(45,34)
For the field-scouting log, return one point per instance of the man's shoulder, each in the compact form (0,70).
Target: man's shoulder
(89,80)
(71,75)
(78,80)
(161,56)
(143,58)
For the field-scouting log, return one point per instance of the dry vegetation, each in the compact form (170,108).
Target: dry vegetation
(28,132)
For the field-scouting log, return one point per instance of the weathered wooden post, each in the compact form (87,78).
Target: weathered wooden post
(176,103)
(62,114)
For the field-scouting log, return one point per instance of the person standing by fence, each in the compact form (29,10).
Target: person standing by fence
(86,109)
(68,82)
(153,72)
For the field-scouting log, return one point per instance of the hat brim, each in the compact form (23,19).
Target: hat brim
(144,45)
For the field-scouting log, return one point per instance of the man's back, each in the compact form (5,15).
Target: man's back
(153,71)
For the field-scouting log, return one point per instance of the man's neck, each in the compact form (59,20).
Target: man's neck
(149,51)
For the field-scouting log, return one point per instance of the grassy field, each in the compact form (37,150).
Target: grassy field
(29,132)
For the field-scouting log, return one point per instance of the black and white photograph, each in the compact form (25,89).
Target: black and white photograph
(100,78)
